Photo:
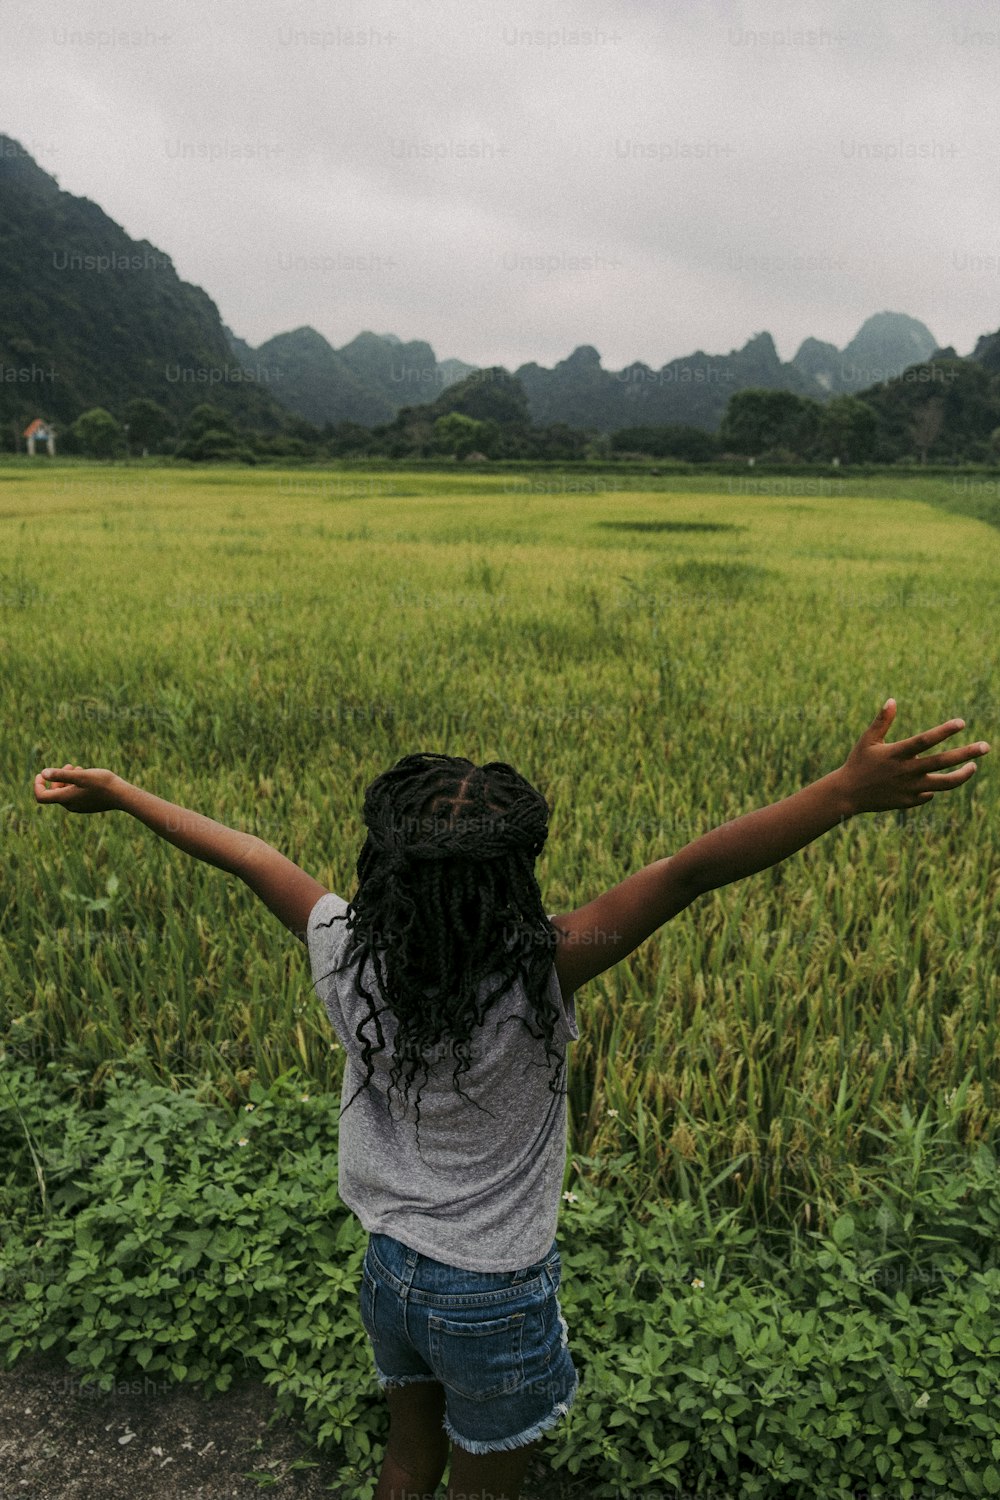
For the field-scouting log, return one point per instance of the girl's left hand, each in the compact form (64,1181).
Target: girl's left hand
(879,776)
(78,790)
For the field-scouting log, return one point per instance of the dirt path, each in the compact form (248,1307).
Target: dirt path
(57,1442)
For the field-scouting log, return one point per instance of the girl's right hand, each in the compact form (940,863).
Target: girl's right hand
(876,776)
(78,790)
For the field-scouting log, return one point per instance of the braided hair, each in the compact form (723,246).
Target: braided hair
(447,898)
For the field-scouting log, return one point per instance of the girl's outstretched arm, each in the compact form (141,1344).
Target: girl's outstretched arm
(285,889)
(875,777)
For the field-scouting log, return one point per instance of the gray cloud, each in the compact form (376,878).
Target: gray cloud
(509,184)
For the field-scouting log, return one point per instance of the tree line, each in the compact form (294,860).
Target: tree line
(945,411)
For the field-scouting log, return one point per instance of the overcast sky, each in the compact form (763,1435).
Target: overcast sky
(651,177)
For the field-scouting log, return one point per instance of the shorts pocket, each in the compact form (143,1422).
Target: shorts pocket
(479,1358)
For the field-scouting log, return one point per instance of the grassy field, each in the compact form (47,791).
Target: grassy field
(657,660)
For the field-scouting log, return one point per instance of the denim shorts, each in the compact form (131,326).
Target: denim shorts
(496,1340)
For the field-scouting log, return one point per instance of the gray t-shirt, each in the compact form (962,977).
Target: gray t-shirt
(483,1191)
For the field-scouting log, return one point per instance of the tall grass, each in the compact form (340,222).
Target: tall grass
(259,646)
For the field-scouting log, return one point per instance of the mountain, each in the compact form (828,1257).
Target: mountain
(451,371)
(311,379)
(819,362)
(239,346)
(485,414)
(492,395)
(987,352)
(366,382)
(579,393)
(692,391)
(944,407)
(399,373)
(90,317)
(885,345)
(448,370)
(371,379)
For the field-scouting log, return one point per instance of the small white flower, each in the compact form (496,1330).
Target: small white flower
(570,1197)
(697,1282)
(613,1113)
(303,1097)
(243,1141)
(248,1108)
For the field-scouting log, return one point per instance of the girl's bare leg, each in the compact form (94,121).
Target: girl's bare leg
(418,1444)
(492,1476)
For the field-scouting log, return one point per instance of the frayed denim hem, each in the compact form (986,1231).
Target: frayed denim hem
(385,1381)
(521,1439)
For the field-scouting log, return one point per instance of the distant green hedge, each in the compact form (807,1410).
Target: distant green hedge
(144,1240)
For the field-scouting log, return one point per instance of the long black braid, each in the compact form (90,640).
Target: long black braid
(446,898)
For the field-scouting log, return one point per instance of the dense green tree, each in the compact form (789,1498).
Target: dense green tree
(280,447)
(307,432)
(459,435)
(217,443)
(848,429)
(757,421)
(205,418)
(941,411)
(97,433)
(485,411)
(559,441)
(926,425)
(210,434)
(347,439)
(491,395)
(148,423)
(674,440)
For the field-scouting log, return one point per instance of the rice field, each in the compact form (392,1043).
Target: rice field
(657,660)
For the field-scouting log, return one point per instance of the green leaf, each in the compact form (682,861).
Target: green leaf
(843,1230)
(676,1451)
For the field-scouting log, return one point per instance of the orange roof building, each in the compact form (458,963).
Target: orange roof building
(40,432)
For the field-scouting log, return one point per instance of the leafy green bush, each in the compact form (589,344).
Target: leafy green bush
(189,1246)
(163,1235)
(812,1382)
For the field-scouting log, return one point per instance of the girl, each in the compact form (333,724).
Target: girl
(459,1292)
